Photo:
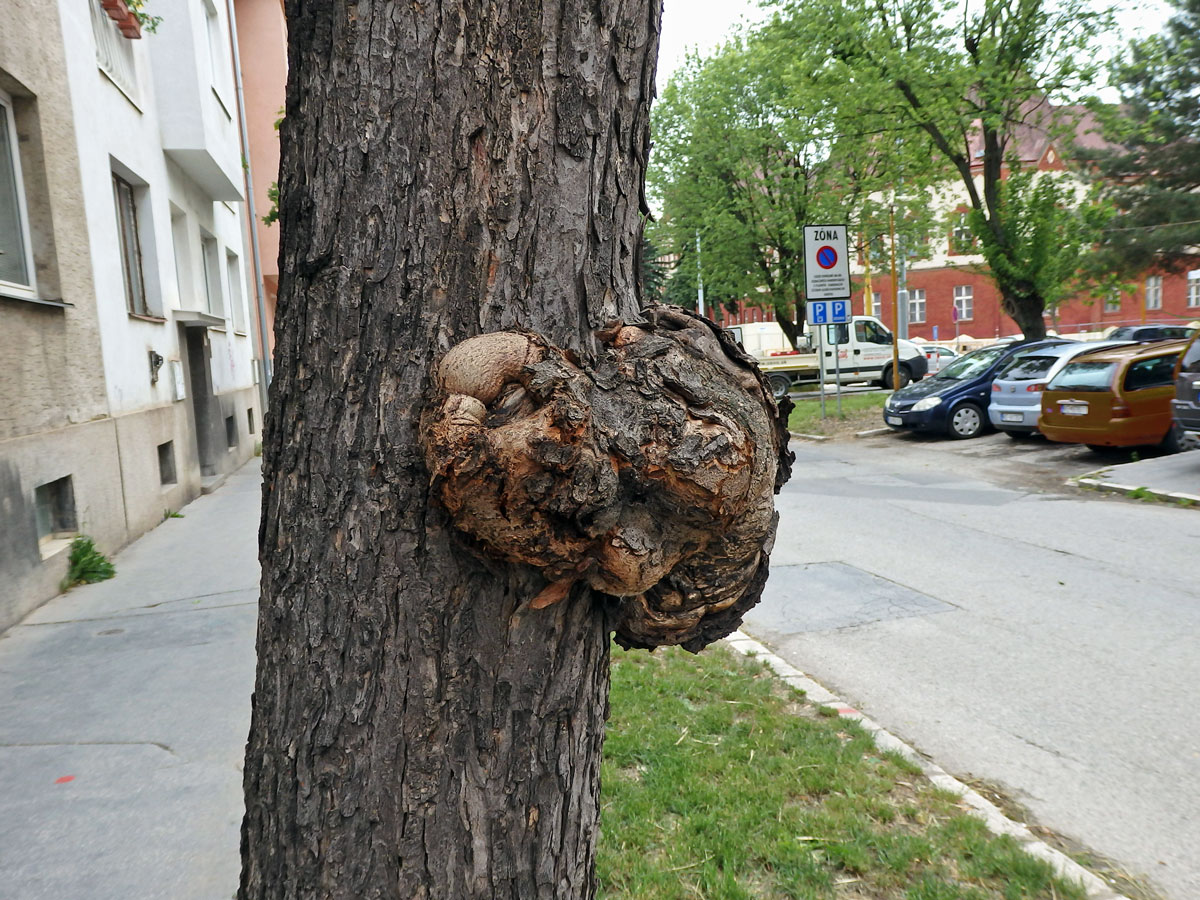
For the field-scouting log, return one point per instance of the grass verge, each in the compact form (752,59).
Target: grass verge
(722,783)
(859,412)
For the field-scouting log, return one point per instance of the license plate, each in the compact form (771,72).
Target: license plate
(1075,409)
(895,420)
(1011,417)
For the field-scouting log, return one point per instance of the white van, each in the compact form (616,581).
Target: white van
(863,351)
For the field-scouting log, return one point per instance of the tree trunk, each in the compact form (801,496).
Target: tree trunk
(1025,307)
(448,169)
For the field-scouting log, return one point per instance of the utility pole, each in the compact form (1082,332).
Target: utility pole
(895,300)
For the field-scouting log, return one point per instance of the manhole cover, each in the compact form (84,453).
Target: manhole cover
(825,596)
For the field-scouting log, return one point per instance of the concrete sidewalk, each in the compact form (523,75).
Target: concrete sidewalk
(124,708)
(1175,477)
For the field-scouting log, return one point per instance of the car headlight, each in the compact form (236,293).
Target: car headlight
(927,403)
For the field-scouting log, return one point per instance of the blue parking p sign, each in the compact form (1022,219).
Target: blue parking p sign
(828,312)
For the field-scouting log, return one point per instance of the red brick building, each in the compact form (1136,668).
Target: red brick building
(952,294)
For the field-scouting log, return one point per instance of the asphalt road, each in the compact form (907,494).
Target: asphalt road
(1016,631)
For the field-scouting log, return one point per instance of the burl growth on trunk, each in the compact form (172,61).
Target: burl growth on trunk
(648,473)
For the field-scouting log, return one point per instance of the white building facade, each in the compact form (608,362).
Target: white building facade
(126,328)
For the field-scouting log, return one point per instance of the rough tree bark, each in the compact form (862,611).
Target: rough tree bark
(425,725)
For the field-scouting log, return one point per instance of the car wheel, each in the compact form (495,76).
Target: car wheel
(780,385)
(1173,442)
(904,379)
(966,421)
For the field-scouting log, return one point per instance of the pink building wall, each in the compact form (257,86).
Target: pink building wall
(262,42)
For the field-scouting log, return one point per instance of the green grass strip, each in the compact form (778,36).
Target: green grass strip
(806,417)
(721,783)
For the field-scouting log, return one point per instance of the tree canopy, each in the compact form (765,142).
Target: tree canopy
(982,82)
(748,149)
(1152,174)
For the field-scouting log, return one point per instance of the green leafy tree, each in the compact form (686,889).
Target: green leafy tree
(747,151)
(1052,233)
(1151,172)
(975,79)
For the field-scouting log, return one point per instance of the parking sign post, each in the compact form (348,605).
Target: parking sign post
(827,292)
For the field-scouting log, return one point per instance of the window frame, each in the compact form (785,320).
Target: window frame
(237,294)
(966,309)
(913,300)
(876,303)
(1193,288)
(1112,302)
(15,289)
(1155,281)
(962,238)
(127,229)
(210,268)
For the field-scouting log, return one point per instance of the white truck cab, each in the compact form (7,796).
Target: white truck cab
(858,351)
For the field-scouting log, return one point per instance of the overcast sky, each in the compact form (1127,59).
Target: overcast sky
(703,24)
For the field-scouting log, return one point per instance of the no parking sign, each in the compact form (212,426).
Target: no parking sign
(826,263)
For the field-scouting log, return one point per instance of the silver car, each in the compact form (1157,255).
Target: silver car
(1017,391)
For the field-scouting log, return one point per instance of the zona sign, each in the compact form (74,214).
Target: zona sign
(826,263)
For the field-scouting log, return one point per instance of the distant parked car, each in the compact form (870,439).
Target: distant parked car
(1017,391)
(1186,405)
(1151,333)
(938,357)
(1115,397)
(955,400)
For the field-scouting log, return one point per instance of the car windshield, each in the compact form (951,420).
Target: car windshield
(971,365)
(1027,368)
(1084,376)
(1191,358)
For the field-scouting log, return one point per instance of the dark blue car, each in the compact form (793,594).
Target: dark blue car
(955,400)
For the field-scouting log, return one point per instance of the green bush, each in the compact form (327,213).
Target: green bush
(86,564)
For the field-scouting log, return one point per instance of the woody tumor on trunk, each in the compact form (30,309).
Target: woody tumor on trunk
(646,473)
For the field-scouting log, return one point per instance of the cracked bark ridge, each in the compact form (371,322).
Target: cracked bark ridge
(647,473)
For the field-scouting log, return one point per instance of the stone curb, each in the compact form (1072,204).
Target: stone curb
(808,437)
(996,821)
(871,432)
(1115,488)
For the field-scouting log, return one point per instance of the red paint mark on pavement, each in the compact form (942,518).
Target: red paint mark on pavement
(64,779)
(847,711)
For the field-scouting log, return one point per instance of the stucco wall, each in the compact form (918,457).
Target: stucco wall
(51,377)
(88,453)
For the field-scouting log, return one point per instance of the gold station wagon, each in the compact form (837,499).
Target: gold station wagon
(1116,397)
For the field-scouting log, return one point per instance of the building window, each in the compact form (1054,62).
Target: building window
(16,257)
(166,463)
(212,275)
(231,435)
(876,304)
(964,302)
(131,247)
(962,239)
(237,304)
(1112,303)
(114,52)
(1193,288)
(54,505)
(916,306)
(218,52)
(1154,292)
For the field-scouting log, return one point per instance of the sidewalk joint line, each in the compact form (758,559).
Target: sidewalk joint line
(134,615)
